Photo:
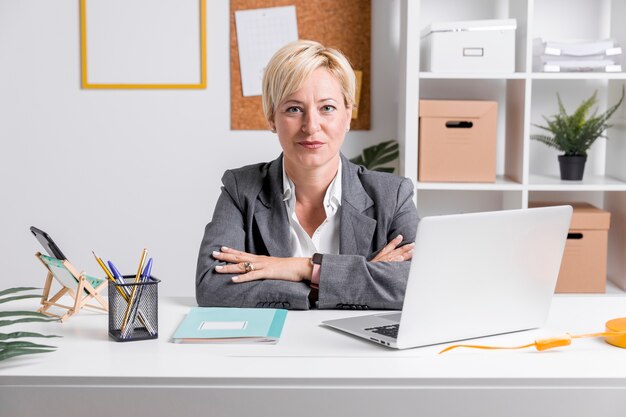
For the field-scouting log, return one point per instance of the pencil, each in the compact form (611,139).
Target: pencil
(103,266)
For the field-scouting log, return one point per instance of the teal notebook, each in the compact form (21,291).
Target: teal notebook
(231,325)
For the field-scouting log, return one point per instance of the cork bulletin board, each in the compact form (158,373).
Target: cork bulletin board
(341,24)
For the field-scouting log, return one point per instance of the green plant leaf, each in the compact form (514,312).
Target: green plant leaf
(23,313)
(385,152)
(10,353)
(358,160)
(382,159)
(18,297)
(25,320)
(22,344)
(22,347)
(17,289)
(374,156)
(18,335)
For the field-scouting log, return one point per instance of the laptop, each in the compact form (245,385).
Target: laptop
(473,275)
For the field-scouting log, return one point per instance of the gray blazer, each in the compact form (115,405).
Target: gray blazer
(250,215)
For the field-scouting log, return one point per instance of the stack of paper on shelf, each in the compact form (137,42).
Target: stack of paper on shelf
(602,56)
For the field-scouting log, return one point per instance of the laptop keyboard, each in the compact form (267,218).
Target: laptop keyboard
(389,331)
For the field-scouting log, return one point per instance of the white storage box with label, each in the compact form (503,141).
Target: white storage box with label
(475,46)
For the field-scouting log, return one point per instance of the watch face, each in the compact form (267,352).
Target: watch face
(317,258)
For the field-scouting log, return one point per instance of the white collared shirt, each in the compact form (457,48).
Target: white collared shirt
(326,238)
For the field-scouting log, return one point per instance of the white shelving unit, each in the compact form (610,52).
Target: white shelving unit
(526,170)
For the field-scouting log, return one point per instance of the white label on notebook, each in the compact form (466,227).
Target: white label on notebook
(223,325)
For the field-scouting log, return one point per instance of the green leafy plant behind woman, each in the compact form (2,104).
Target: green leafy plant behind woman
(11,348)
(376,156)
(573,134)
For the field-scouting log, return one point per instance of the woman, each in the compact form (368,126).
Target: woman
(309,228)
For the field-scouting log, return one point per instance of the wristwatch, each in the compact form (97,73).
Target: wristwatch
(316,261)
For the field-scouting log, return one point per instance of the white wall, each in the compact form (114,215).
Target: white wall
(115,171)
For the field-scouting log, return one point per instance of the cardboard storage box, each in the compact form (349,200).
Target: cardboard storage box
(583,268)
(457,141)
(478,46)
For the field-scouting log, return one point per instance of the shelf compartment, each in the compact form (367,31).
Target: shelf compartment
(431,11)
(563,20)
(467,76)
(502,184)
(438,202)
(543,160)
(615,202)
(525,75)
(578,75)
(611,201)
(510,95)
(554,182)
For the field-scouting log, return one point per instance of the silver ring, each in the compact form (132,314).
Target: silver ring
(248,267)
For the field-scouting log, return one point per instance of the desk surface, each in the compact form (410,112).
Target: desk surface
(310,356)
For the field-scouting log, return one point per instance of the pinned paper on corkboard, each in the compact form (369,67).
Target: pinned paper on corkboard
(341,24)
(260,33)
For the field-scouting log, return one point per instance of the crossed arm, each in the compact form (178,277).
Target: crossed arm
(246,267)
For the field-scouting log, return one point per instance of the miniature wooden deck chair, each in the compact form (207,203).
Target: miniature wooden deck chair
(81,287)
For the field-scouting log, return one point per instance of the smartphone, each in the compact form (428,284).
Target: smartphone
(47,243)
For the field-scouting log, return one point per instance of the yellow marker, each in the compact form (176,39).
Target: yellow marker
(144,253)
(142,261)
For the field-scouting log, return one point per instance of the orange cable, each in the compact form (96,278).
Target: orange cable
(542,344)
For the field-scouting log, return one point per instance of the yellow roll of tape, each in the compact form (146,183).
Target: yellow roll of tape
(616,325)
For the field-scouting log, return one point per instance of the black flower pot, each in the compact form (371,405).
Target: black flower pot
(572,167)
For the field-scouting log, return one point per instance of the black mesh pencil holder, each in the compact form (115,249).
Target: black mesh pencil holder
(134,309)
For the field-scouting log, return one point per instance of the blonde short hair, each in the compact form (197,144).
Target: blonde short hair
(291,66)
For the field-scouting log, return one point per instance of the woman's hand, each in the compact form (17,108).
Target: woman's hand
(252,267)
(393,253)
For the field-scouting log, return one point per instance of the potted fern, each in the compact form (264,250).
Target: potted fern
(574,133)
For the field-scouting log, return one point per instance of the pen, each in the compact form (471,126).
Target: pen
(133,293)
(147,270)
(118,276)
(144,277)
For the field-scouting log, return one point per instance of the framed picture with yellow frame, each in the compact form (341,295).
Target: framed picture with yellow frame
(143,44)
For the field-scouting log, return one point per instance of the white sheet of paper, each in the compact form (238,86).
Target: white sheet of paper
(260,33)
(223,325)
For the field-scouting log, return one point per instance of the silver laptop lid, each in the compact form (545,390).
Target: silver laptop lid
(481,274)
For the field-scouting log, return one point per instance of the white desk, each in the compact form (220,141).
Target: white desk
(314,371)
